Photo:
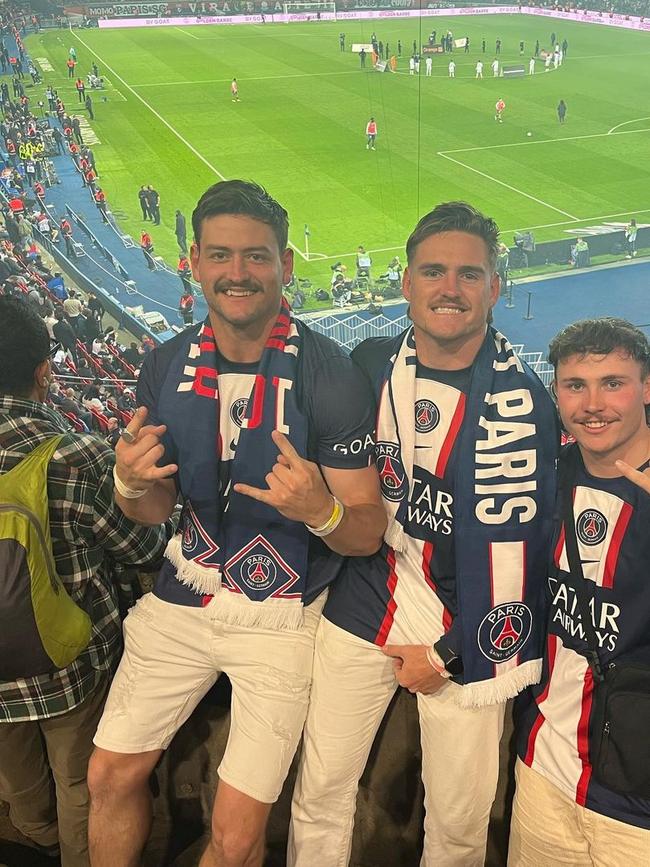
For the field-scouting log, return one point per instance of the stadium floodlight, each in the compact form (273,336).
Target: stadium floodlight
(314,10)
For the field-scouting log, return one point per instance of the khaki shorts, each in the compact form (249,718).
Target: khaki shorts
(173,654)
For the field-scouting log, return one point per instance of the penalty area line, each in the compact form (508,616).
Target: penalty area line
(166,123)
(509,187)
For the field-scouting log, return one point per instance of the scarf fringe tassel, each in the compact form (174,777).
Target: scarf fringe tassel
(234,608)
(500,689)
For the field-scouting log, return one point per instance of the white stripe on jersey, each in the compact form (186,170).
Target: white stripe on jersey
(418,618)
(556,747)
(599,558)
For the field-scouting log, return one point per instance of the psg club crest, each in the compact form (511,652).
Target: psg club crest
(591,527)
(391,471)
(238,410)
(259,567)
(190,537)
(504,631)
(427,416)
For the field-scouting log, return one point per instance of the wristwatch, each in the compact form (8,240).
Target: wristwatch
(452,662)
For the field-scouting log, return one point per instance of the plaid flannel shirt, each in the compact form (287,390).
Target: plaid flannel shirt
(88,532)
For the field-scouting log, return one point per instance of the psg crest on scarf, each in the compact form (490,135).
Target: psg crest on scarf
(391,470)
(504,630)
(260,567)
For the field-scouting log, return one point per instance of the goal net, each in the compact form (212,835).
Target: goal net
(316,10)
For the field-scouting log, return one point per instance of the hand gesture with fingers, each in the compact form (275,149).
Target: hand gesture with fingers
(641,479)
(137,452)
(296,487)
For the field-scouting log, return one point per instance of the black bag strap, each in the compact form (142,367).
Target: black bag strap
(567,474)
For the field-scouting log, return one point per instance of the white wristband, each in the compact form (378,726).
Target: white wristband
(436,662)
(123,490)
(338,511)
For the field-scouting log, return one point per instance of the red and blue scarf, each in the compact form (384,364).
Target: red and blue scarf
(504,491)
(231,546)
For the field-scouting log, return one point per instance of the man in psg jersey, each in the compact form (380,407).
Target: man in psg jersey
(449,608)
(563,812)
(263,430)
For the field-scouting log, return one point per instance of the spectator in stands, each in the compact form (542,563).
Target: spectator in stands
(73,308)
(91,329)
(47,721)
(50,321)
(25,232)
(56,286)
(261,338)
(114,431)
(583,772)
(131,355)
(96,306)
(64,333)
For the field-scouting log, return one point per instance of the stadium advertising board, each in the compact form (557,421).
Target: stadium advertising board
(611,19)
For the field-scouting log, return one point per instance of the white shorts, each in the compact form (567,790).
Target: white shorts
(173,654)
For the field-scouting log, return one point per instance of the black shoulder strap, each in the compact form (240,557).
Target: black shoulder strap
(567,476)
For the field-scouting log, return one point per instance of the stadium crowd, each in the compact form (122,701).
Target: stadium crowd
(326,508)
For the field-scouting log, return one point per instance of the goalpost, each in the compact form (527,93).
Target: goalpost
(312,9)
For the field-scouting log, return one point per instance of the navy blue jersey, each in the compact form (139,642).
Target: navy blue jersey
(334,396)
(554,719)
(410,597)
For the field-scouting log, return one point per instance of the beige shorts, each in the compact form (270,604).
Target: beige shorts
(173,654)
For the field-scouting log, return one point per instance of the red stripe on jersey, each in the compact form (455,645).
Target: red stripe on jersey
(427,556)
(447,619)
(387,622)
(551,653)
(559,547)
(450,439)
(615,545)
(583,739)
(274,344)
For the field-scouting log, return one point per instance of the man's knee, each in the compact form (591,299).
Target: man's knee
(111,776)
(236,847)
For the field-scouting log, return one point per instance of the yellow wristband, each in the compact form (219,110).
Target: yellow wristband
(338,510)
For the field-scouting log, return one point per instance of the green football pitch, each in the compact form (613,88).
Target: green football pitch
(168,120)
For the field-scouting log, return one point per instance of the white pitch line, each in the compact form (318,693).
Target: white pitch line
(172,129)
(516,144)
(242,78)
(625,123)
(503,232)
(510,187)
(191,35)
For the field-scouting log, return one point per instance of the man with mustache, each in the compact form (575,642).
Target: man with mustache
(263,430)
(449,608)
(583,785)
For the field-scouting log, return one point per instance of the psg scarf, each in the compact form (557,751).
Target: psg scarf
(231,546)
(503,494)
